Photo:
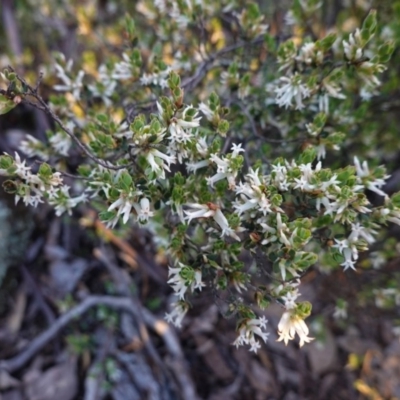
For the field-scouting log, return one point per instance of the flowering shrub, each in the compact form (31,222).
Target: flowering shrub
(224,137)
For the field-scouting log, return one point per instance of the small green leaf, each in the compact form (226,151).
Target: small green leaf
(223,127)
(125,180)
(370,22)
(214,100)
(308,156)
(6,105)
(303,309)
(396,199)
(327,42)
(6,161)
(84,170)
(175,78)
(45,171)
(304,260)
(103,118)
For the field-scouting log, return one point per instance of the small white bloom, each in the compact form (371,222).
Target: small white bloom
(348,263)
(206,110)
(143,210)
(341,245)
(21,169)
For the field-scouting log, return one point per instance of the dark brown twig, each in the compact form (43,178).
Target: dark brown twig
(205,66)
(30,281)
(37,344)
(43,106)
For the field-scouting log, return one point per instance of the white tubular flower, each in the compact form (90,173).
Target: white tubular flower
(124,206)
(159,162)
(341,245)
(363,173)
(353,47)
(123,69)
(367,92)
(143,210)
(206,110)
(333,89)
(309,54)
(310,6)
(176,316)
(357,230)
(69,85)
(290,325)
(325,202)
(202,147)
(349,251)
(204,211)
(332,182)
(340,311)
(237,149)
(281,229)
(224,168)
(187,121)
(303,184)
(31,147)
(61,142)
(248,204)
(291,89)
(211,210)
(21,169)
(390,215)
(193,167)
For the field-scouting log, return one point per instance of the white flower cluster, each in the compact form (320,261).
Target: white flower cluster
(105,85)
(292,320)
(183,278)
(292,88)
(70,83)
(290,325)
(248,330)
(33,189)
(156,79)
